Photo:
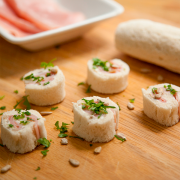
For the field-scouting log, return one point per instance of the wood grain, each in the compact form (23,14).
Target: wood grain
(151,151)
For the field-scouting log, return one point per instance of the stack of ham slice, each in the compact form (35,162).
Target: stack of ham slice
(25,17)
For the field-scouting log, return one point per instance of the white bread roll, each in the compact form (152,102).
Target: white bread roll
(150,41)
(43,95)
(108,82)
(163,108)
(22,138)
(87,124)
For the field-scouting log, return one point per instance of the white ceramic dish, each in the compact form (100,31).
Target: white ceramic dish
(94,10)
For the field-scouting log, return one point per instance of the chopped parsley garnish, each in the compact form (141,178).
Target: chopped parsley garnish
(88,89)
(121,139)
(1,97)
(25,102)
(1,114)
(10,125)
(154,90)
(46,83)
(169,88)
(98,108)
(2,145)
(21,78)
(132,100)
(54,108)
(44,142)
(16,91)
(50,140)
(38,168)
(32,77)
(76,137)
(3,107)
(21,116)
(49,64)
(72,122)
(62,129)
(90,145)
(27,113)
(44,152)
(29,77)
(165,86)
(98,62)
(35,178)
(24,122)
(28,118)
(48,74)
(81,83)
(118,106)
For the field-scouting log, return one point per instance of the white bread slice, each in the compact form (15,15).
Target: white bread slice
(94,129)
(24,139)
(150,41)
(108,83)
(52,93)
(165,113)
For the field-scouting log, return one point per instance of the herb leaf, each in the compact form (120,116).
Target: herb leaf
(10,125)
(44,152)
(54,108)
(16,91)
(132,100)
(169,88)
(1,114)
(46,83)
(38,168)
(3,107)
(57,125)
(154,90)
(44,142)
(49,64)
(88,89)
(81,83)
(121,139)
(1,97)
(72,122)
(61,135)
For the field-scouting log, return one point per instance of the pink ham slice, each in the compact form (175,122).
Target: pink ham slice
(45,14)
(12,29)
(19,126)
(9,15)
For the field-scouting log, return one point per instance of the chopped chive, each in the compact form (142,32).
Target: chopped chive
(38,168)
(3,107)
(118,106)
(121,139)
(10,125)
(44,152)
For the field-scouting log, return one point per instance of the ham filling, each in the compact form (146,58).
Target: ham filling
(19,126)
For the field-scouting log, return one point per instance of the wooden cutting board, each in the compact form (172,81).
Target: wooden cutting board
(151,151)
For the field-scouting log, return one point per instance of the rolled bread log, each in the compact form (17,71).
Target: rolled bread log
(150,41)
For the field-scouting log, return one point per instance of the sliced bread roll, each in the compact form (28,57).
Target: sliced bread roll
(162,103)
(150,41)
(45,86)
(93,124)
(20,130)
(107,77)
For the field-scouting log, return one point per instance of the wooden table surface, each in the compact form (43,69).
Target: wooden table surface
(151,151)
